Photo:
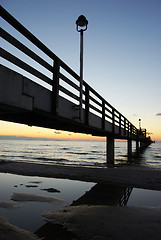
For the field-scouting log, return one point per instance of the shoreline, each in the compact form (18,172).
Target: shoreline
(144,178)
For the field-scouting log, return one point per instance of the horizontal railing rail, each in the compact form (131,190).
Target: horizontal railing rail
(64,80)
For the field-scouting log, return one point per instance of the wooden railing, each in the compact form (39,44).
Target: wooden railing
(64,80)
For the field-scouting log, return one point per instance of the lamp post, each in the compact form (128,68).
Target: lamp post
(81,25)
(140,124)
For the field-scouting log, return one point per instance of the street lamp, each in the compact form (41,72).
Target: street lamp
(81,25)
(140,124)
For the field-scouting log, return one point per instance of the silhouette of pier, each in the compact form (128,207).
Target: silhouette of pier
(104,194)
(53,102)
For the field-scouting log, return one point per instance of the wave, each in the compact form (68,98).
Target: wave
(6,151)
(65,148)
(51,159)
(98,152)
(79,153)
(11,156)
(45,145)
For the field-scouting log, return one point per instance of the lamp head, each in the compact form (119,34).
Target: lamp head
(81,23)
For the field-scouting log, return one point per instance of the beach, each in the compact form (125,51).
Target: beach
(124,176)
(64,190)
(85,221)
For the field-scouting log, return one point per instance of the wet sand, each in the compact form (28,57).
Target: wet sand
(107,222)
(122,176)
(11,232)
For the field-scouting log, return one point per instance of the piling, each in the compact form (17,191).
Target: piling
(110,150)
(129,147)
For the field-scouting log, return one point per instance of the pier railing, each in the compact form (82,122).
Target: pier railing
(63,81)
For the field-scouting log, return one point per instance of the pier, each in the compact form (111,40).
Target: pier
(54,102)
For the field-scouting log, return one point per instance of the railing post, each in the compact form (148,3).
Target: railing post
(131,128)
(55,87)
(87,104)
(124,126)
(128,133)
(103,114)
(119,124)
(145,133)
(133,131)
(137,133)
(113,121)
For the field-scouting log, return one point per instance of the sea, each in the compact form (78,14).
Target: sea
(28,214)
(83,153)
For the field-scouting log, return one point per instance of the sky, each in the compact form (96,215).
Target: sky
(122,54)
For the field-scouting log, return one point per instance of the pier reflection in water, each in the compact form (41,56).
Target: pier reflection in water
(103,194)
(99,194)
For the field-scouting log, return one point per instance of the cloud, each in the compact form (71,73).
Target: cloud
(149,133)
(158,114)
(56,132)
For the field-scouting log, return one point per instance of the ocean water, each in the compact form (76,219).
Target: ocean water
(84,153)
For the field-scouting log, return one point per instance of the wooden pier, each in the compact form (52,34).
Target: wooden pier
(54,102)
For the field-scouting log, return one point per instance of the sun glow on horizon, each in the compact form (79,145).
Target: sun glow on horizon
(21,130)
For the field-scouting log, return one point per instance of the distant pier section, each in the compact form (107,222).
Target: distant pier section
(52,100)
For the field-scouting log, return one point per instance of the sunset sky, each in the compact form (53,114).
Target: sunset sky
(122,54)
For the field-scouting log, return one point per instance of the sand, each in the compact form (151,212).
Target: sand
(109,223)
(121,176)
(8,205)
(30,197)
(11,232)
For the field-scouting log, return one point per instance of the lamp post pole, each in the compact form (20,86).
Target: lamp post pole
(81,75)
(81,24)
(140,124)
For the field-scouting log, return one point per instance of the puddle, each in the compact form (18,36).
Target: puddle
(144,198)
(28,215)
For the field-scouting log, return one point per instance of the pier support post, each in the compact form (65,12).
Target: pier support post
(137,144)
(141,145)
(110,150)
(129,148)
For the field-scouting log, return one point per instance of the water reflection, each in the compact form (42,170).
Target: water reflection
(103,194)
(99,194)
(28,214)
(134,160)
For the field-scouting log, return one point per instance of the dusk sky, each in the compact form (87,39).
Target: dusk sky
(122,53)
